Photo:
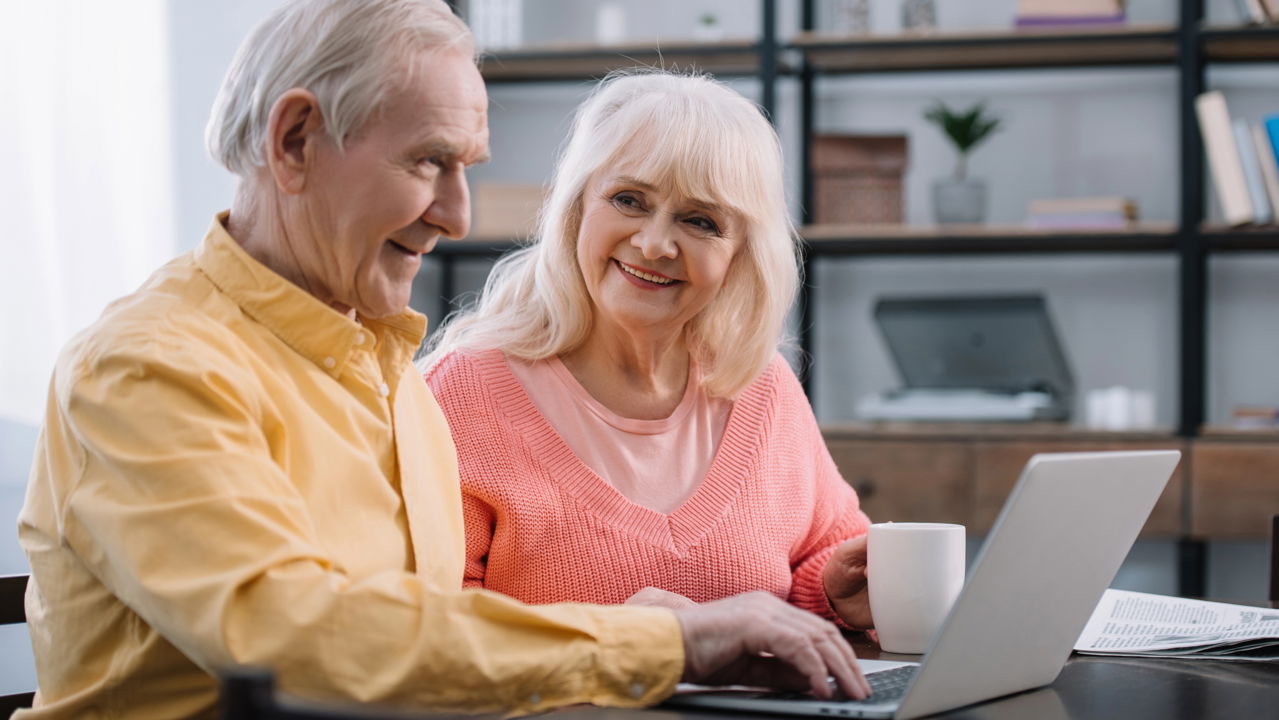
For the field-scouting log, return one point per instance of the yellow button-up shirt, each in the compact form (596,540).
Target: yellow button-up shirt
(232,472)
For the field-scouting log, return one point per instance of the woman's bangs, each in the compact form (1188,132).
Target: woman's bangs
(695,160)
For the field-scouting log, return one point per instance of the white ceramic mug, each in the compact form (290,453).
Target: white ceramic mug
(914,572)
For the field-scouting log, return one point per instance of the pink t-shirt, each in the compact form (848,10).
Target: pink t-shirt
(657,464)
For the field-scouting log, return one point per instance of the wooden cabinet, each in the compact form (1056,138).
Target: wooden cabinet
(997,464)
(963,473)
(1234,486)
(902,480)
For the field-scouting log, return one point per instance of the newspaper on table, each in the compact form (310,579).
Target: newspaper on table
(1144,625)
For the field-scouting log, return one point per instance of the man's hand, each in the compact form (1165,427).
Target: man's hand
(657,597)
(757,639)
(845,581)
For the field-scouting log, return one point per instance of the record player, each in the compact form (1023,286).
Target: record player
(971,358)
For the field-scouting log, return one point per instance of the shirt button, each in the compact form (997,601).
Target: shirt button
(534,699)
(330,362)
(637,690)
(384,389)
(359,339)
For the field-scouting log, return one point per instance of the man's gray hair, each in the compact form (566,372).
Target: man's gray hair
(348,53)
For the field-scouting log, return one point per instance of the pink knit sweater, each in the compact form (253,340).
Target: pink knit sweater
(542,527)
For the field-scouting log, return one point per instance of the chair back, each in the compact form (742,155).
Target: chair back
(13,611)
(249,694)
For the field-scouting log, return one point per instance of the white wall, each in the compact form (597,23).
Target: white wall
(203,40)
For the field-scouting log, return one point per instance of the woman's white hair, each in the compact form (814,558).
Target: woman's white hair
(696,137)
(348,53)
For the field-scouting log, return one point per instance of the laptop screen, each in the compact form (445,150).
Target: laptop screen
(1004,344)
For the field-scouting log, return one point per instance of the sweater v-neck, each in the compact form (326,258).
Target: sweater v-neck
(675,531)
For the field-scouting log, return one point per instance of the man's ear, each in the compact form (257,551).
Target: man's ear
(294,130)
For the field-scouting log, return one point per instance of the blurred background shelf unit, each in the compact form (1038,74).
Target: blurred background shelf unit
(1186,47)
(1226,478)
(1228,484)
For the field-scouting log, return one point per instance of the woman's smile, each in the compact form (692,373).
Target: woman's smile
(644,278)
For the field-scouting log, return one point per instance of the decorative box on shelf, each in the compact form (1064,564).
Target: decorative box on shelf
(857,179)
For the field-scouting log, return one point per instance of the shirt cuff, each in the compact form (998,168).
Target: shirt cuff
(639,658)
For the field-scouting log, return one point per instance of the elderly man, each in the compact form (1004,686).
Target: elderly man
(240,463)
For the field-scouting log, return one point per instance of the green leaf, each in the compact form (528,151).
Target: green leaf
(966,129)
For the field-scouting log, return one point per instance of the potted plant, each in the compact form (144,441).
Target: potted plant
(708,28)
(961,199)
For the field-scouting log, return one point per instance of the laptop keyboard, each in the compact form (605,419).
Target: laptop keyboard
(885,686)
(889,685)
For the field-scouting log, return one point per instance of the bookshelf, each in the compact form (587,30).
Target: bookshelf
(1006,50)
(978,239)
(1188,47)
(566,63)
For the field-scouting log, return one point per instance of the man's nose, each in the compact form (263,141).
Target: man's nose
(450,208)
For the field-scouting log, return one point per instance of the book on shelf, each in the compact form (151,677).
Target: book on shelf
(1254,12)
(1254,417)
(496,24)
(1087,213)
(505,211)
(1261,211)
(1268,159)
(1050,13)
(1135,624)
(1271,124)
(1272,9)
(1224,159)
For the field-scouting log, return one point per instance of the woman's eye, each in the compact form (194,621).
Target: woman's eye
(627,200)
(704,223)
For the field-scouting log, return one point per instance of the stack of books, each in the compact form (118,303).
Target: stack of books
(1051,13)
(1255,417)
(1089,213)
(1244,159)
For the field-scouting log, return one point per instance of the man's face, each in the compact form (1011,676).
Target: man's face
(375,207)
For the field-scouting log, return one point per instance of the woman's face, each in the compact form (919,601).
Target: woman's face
(651,259)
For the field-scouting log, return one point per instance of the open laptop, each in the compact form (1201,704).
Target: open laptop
(1061,536)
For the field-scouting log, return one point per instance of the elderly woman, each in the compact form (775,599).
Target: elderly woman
(625,426)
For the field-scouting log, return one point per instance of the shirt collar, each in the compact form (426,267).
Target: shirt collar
(314,330)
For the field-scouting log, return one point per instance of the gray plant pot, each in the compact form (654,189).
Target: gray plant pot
(959,201)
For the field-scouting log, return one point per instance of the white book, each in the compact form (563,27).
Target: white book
(1272,9)
(1223,158)
(1252,172)
(1252,12)
(1269,167)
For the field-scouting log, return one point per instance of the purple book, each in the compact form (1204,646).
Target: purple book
(1069,20)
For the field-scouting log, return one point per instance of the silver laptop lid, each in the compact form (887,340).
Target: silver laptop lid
(1057,544)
